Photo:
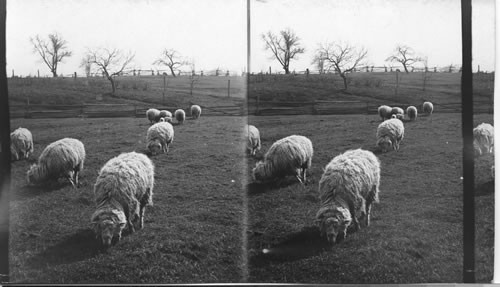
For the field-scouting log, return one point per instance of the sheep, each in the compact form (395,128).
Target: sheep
(253,142)
(195,111)
(165,113)
(180,115)
(384,112)
(412,112)
(21,144)
(62,158)
(428,107)
(123,189)
(162,120)
(159,137)
(288,156)
(397,111)
(483,139)
(390,134)
(153,115)
(347,189)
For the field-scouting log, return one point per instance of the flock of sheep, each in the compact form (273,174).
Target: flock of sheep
(124,186)
(350,181)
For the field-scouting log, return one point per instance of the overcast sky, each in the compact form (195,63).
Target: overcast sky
(432,28)
(212,33)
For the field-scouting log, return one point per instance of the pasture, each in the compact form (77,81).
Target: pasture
(192,233)
(415,234)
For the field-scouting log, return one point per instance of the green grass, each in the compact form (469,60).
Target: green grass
(193,233)
(416,230)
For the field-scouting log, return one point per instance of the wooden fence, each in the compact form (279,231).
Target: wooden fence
(110,111)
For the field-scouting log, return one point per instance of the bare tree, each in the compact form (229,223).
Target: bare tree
(319,62)
(171,59)
(52,52)
(404,55)
(284,47)
(342,58)
(110,62)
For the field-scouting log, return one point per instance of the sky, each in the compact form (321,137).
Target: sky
(213,33)
(431,27)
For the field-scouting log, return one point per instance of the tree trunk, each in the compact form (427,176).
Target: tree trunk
(113,87)
(287,71)
(172,71)
(345,80)
(54,74)
(406,68)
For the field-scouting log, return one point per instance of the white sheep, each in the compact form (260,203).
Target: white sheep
(390,134)
(483,139)
(384,112)
(62,158)
(397,111)
(412,112)
(347,189)
(122,191)
(21,144)
(427,107)
(253,139)
(153,115)
(195,111)
(180,115)
(159,137)
(165,113)
(288,156)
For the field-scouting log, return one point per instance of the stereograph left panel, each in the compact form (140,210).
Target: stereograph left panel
(115,61)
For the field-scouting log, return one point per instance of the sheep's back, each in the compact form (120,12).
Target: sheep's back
(253,136)
(163,131)
(393,128)
(289,154)
(62,156)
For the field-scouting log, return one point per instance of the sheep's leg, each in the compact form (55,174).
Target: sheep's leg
(352,210)
(141,219)
(70,178)
(368,210)
(75,176)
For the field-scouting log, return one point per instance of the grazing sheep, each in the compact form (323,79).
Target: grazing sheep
(162,120)
(180,116)
(21,144)
(62,158)
(122,191)
(288,156)
(253,143)
(159,137)
(165,113)
(428,107)
(384,112)
(412,112)
(390,134)
(483,139)
(153,115)
(195,111)
(168,119)
(347,189)
(397,111)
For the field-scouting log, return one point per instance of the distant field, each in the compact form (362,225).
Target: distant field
(141,90)
(193,233)
(370,88)
(416,230)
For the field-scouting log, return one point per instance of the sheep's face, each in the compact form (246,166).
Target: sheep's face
(31,174)
(155,148)
(106,229)
(258,172)
(334,228)
(384,144)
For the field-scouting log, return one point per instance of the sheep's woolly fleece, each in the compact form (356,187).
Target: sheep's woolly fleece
(412,112)
(483,139)
(21,143)
(390,133)
(384,112)
(153,115)
(285,157)
(180,115)
(195,111)
(124,183)
(62,158)
(159,137)
(427,107)
(253,139)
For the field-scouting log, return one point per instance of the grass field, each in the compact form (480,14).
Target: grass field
(193,233)
(416,230)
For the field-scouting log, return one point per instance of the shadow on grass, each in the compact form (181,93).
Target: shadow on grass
(485,188)
(31,191)
(303,244)
(77,247)
(255,188)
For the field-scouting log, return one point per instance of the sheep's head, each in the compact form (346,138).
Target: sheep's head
(155,147)
(477,149)
(162,120)
(32,174)
(333,222)
(259,173)
(400,116)
(384,143)
(107,225)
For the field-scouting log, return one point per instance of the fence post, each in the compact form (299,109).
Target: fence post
(38,73)
(228,88)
